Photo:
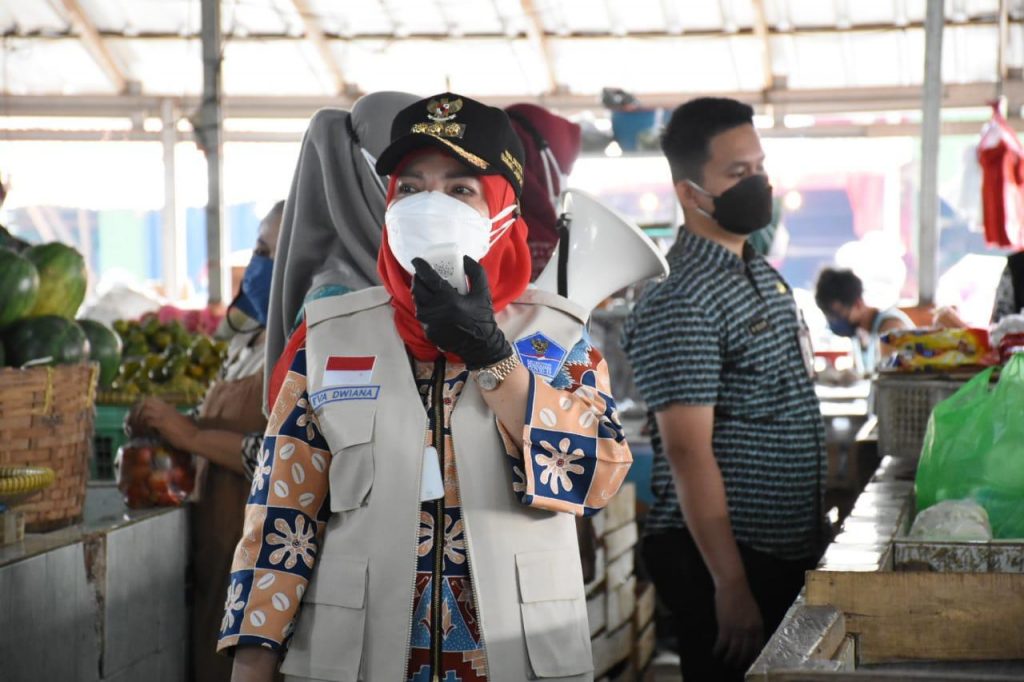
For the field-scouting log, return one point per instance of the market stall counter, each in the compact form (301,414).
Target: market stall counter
(100,600)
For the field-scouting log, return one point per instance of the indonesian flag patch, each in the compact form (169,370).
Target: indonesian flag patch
(347,370)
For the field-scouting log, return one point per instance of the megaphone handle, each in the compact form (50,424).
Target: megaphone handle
(563,254)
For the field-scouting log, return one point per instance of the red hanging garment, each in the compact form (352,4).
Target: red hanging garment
(1001,157)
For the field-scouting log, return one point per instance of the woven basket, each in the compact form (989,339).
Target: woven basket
(46,420)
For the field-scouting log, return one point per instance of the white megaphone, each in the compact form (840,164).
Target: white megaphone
(605,252)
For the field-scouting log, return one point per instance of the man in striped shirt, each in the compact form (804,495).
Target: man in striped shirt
(720,356)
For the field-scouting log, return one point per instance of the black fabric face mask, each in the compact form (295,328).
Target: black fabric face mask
(744,208)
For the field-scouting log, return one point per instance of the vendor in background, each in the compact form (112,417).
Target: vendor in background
(1010,292)
(226,432)
(840,295)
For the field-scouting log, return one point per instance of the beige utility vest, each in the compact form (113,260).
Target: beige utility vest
(356,616)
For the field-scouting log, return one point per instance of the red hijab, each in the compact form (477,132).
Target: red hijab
(507,265)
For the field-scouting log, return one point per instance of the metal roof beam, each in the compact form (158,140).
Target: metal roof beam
(761,31)
(796,101)
(845,130)
(538,38)
(874,29)
(315,34)
(92,40)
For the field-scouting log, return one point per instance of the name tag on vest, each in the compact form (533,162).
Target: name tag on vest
(339,393)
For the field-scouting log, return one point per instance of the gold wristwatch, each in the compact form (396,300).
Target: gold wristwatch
(489,378)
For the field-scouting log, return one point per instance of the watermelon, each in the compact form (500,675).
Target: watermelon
(62,279)
(50,336)
(19,286)
(104,348)
(9,241)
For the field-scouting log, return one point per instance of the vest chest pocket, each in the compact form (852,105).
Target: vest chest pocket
(348,428)
(554,613)
(328,641)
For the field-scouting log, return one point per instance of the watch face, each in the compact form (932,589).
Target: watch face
(487,380)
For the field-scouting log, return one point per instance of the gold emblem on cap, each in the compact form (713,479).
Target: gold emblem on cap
(513,164)
(443,109)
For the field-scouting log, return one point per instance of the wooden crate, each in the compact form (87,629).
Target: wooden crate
(597,612)
(621,603)
(643,652)
(645,601)
(619,541)
(618,571)
(611,648)
(621,509)
(928,620)
(600,566)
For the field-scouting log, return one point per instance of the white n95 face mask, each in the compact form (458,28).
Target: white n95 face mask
(424,220)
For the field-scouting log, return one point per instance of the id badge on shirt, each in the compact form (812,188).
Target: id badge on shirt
(431,483)
(803,336)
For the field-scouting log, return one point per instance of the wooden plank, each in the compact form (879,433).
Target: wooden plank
(645,600)
(597,613)
(619,541)
(926,616)
(621,603)
(599,572)
(621,509)
(847,653)
(644,650)
(619,571)
(611,648)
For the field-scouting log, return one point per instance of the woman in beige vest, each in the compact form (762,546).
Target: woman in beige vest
(424,442)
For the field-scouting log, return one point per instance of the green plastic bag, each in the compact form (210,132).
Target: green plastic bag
(974,449)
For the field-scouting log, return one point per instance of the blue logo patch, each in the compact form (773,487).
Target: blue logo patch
(540,355)
(338,393)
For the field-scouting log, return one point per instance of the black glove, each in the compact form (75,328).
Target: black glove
(462,324)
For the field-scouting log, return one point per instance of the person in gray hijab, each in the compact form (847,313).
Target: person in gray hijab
(334,213)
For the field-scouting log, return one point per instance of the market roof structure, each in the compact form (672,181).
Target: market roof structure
(289,56)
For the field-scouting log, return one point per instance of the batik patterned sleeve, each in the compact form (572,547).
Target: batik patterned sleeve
(572,456)
(284,522)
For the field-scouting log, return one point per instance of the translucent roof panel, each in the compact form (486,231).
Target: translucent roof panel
(486,47)
(164,67)
(485,67)
(63,67)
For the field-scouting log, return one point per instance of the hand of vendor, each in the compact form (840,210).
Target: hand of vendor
(462,324)
(154,415)
(740,626)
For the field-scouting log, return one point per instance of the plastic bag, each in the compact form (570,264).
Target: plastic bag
(152,474)
(952,520)
(974,449)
